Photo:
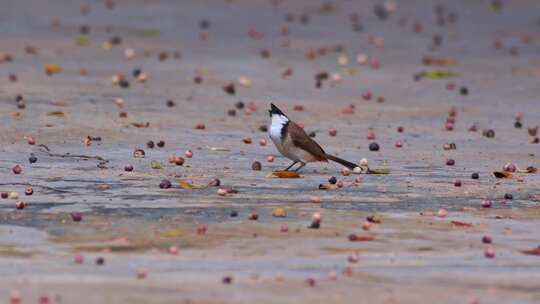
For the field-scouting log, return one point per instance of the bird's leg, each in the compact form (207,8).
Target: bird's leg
(302,164)
(294,163)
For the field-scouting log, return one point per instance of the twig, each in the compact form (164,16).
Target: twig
(43,148)
(36,186)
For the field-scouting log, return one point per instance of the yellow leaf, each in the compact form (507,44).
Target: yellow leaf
(219,149)
(51,69)
(172,233)
(56,113)
(188,186)
(280,212)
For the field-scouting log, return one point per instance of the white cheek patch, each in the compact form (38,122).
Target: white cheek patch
(277,124)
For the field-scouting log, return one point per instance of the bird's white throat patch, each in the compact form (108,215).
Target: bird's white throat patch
(278,121)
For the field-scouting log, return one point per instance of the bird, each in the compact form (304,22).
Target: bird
(293,142)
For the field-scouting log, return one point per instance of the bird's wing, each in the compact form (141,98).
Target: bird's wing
(303,141)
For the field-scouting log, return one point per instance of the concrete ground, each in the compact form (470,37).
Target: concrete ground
(409,255)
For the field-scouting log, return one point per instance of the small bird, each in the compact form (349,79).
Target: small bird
(293,142)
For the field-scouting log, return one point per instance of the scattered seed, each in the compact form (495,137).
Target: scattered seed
(486,203)
(257,166)
(486,239)
(374,146)
(76,216)
(165,184)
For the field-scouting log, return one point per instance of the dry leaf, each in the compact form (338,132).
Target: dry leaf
(172,233)
(378,171)
(328,187)
(283,174)
(502,174)
(219,149)
(51,69)
(534,251)
(189,186)
(280,212)
(529,169)
(361,238)
(140,124)
(56,113)
(462,224)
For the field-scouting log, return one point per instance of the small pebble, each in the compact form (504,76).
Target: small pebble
(366,225)
(100,261)
(150,144)
(233,213)
(332,180)
(450,162)
(486,239)
(262,142)
(346,171)
(364,162)
(508,196)
(161,144)
(475,175)
(200,126)
(270,158)
(227,280)
(222,192)
(457,183)
(128,168)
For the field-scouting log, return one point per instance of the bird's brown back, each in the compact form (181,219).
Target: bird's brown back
(303,141)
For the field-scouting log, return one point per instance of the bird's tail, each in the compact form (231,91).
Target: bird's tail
(347,164)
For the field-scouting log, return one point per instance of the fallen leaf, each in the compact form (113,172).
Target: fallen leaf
(279,212)
(155,164)
(56,113)
(51,69)
(186,185)
(502,174)
(529,169)
(328,187)
(140,124)
(172,233)
(378,171)
(438,74)
(82,40)
(462,224)
(219,149)
(534,251)
(283,174)
(103,187)
(361,238)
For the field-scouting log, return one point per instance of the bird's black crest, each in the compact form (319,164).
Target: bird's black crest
(275,110)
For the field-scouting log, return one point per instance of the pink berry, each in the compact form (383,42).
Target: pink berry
(486,203)
(509,167)
(442,213)
(346,171)
(332,132)
(284,228)
(141,273)
(222,192)
(189,154)
(17,169)
(78,259)
(269,158)
(262,142)
(371,135)
(30,140)
(399,143)
(489,252)
(173,250)
(366,225)
(367,95)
